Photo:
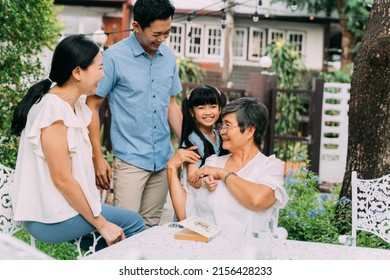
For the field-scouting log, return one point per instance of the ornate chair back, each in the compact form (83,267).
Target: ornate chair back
(7,223)
(371,206)
(9,226)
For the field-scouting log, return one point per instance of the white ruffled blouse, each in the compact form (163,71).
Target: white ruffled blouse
(33,193)
(222,208)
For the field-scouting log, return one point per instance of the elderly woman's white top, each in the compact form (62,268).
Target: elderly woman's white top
(222,208)
(33,193)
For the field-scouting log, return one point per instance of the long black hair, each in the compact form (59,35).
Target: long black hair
(202,95)
(73,51)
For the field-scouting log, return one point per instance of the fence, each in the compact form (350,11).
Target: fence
(264,87)
(334,132)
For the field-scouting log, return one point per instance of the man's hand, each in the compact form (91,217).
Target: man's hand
(103,173)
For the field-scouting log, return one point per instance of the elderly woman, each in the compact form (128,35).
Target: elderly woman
(241,190)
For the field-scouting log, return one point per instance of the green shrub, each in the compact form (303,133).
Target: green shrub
(308,215)
(8,142)
(339,76)
(26,28)
(318,217)
(189,70)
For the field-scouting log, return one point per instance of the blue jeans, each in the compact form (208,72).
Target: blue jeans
(68,230)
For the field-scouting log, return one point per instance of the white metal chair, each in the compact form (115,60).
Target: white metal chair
(370,208)
(7,223)
(9,226)
(277,232)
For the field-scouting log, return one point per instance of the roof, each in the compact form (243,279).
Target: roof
(98,3)
(241,7)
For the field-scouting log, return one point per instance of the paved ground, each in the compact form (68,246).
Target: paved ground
(167,215)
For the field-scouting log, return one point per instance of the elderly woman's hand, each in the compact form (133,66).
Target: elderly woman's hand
(209,176)
(181,156)
(214,172)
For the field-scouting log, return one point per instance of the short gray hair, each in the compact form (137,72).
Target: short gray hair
(250,112)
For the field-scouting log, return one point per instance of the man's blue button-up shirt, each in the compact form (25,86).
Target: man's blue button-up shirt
(139,90)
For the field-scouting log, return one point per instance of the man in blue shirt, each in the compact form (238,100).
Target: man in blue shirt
(141,81)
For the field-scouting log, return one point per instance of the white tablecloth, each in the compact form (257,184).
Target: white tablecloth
(158,243)
(12,248)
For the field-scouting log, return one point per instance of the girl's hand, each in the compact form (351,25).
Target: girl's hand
(181,156)
(209,183)
(192,178)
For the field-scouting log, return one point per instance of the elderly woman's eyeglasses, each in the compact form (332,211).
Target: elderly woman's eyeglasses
(224,127)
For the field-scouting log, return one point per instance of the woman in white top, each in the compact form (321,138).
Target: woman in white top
(243,190)
(54,191)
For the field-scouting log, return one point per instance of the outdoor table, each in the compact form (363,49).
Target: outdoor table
(12,248)
(158,243)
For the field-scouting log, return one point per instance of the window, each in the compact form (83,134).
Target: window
(256,43)
(240,39)
(176,39)
(274,35)
(194,41)
(297,39)
(213,42)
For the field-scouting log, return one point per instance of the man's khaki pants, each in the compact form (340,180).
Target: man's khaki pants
(140,190)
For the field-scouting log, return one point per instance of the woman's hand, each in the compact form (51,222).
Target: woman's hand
(209,176)
(111,233)
(215,172)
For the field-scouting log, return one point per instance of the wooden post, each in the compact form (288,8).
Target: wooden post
(126,17)
(261,86)
(315,124)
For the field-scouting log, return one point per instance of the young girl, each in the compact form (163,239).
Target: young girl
(201,112)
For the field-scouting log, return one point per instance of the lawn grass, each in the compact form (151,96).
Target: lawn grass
(61,251)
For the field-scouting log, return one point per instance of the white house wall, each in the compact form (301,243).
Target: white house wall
(313,44)
(77,20)
(86,20)
(314,39)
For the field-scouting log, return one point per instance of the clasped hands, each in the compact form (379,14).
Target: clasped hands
(208,175)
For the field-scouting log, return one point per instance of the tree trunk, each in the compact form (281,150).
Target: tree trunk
(369,106)
(348,40)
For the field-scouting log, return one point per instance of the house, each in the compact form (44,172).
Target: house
(197,31)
